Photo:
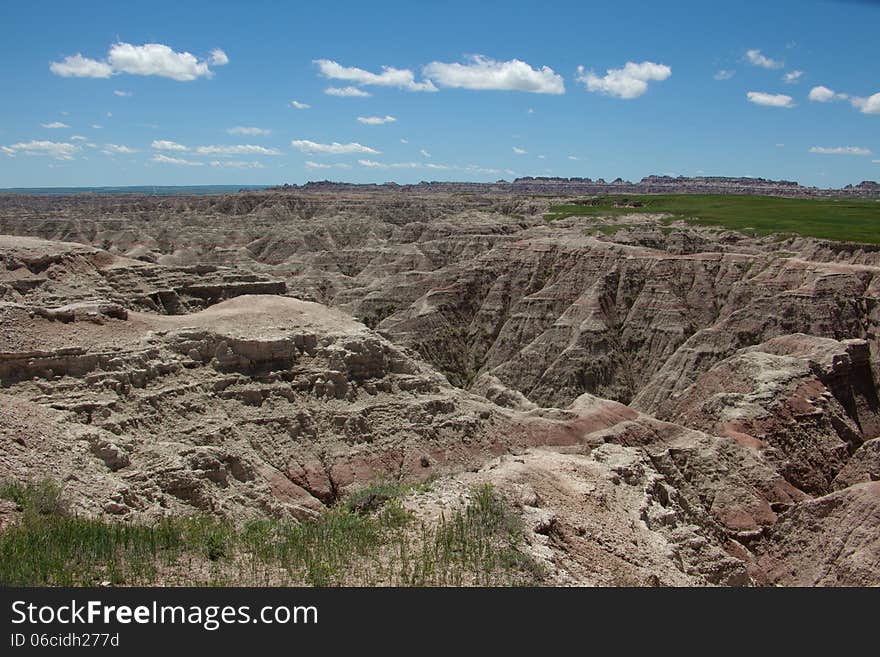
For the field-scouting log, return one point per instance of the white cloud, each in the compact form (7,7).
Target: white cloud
(117,149)
(530,111)
(148,59)
(311,164)
(347,92)
(77,138)
(77,66)
(238,149)
(237,164)
(724,74)
(55,125)
(165,145)
(822,94)
(482,73)
(157,59)
(123,94)
(628,82)
(869,105)
(770,100)
(56,150)
(404,141)
(244,130)
(792,77)
(574,157)
(218,57)
(389,77)
(376,120)
(372,164)
(97,126)
(840,150)
(424,153)
(300,106)
(755,57)
(519,151)
(335,148)
(164,159)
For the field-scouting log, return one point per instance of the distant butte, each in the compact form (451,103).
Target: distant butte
(569,186)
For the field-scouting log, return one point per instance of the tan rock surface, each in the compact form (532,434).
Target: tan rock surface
(677,406)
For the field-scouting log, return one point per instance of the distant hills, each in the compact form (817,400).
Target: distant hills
(647,185)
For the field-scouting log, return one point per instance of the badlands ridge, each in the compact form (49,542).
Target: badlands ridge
(666,404)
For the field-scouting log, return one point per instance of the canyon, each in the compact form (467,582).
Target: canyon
(664,403)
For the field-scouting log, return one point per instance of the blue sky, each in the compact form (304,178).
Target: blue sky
(151,93)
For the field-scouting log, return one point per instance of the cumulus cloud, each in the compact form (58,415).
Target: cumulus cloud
(244,130)
(792,77)
(53,149)
(628,82)
(840,150)
(869,105)
(298,105)
(424,153)
(404,141)
(347,92)
(218,57)
(756,58)
(519,151)
(78,138)
(401,78)
(55,125)
(574,157)
(238,149)
(77,66)
(164,159)
(147,59)
(156,59)
(770,100)
(334,148)
(123,94)
(117,149)
(165,145)
(822,94)
(724,74)
(376,120)
(482,73)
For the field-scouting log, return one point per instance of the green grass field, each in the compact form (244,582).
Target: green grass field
(854,220)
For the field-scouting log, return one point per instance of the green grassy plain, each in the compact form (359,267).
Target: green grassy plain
(852,220)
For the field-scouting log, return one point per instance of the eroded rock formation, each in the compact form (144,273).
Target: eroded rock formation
(669,404)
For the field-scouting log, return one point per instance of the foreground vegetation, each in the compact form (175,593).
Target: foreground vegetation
(368,539)
(856,220)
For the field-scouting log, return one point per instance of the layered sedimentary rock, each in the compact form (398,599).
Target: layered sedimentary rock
(688,405)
